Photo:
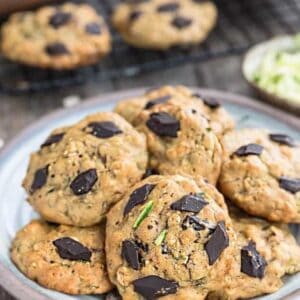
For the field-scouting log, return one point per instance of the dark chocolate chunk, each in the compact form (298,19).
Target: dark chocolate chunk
(130,252)
(197,224)
(68,248)
(59,19)
(218,241)
(84,182)
(168,7)
(135,15)
(181,22)
(152,287)
(250,149)
(104,129)
(163,124)
(190,203)
(290,184)
(93,28)
(40,179)
(252,263)
(210,102)
(56,49)
(150,172)
(156,101)
(282,139)
(138,197)
(53,139)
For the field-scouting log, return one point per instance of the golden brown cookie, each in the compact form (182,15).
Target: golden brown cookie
(261,174)
(56,37)
(169,237)
(265,253)
(63,258)
(181,141)
(80,171)
(162,24)
(219,119)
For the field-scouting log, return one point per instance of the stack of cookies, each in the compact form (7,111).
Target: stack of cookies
(135,199)
(72,35)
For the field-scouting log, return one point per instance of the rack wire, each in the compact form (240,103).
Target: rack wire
(241,24)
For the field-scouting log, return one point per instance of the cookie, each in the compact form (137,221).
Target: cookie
(180,141)
(56,37)
(169,237)
(261,174)
(162,24)
(219,119)
(80,171)
(63,258)
(265,253)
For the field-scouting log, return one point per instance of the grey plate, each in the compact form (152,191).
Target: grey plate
(15,212)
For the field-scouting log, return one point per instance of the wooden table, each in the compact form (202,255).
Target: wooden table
(18,111)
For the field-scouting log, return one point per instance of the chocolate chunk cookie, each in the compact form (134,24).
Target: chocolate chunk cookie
(265,253)
(56,37)
(169,236)
(80,171)
(219,119)
(261,174)
(162,24)
(62,258)
(180,140)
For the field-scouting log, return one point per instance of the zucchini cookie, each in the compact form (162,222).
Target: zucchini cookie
(169,237)
(261,174)
(162,24)
(56,37)
(219,119)
(181,141)
(265,253)
(80,171)
(63,258)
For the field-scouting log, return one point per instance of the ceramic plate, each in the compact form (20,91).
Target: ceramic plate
(15,212)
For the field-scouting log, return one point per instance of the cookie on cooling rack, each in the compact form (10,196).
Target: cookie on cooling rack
(219,119)
(80,171)
(63,258)
(56,37)
(261,174)
(162,24)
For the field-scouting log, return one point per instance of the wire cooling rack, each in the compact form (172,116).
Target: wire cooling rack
(241,24)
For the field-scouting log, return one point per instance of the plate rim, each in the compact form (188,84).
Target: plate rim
(7,278)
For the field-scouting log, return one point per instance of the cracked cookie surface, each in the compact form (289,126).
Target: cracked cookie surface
(169,237)
(261,174)
(181,141)
(38,248)
(162,24)
(219,119)
(80,171)
(56,37)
